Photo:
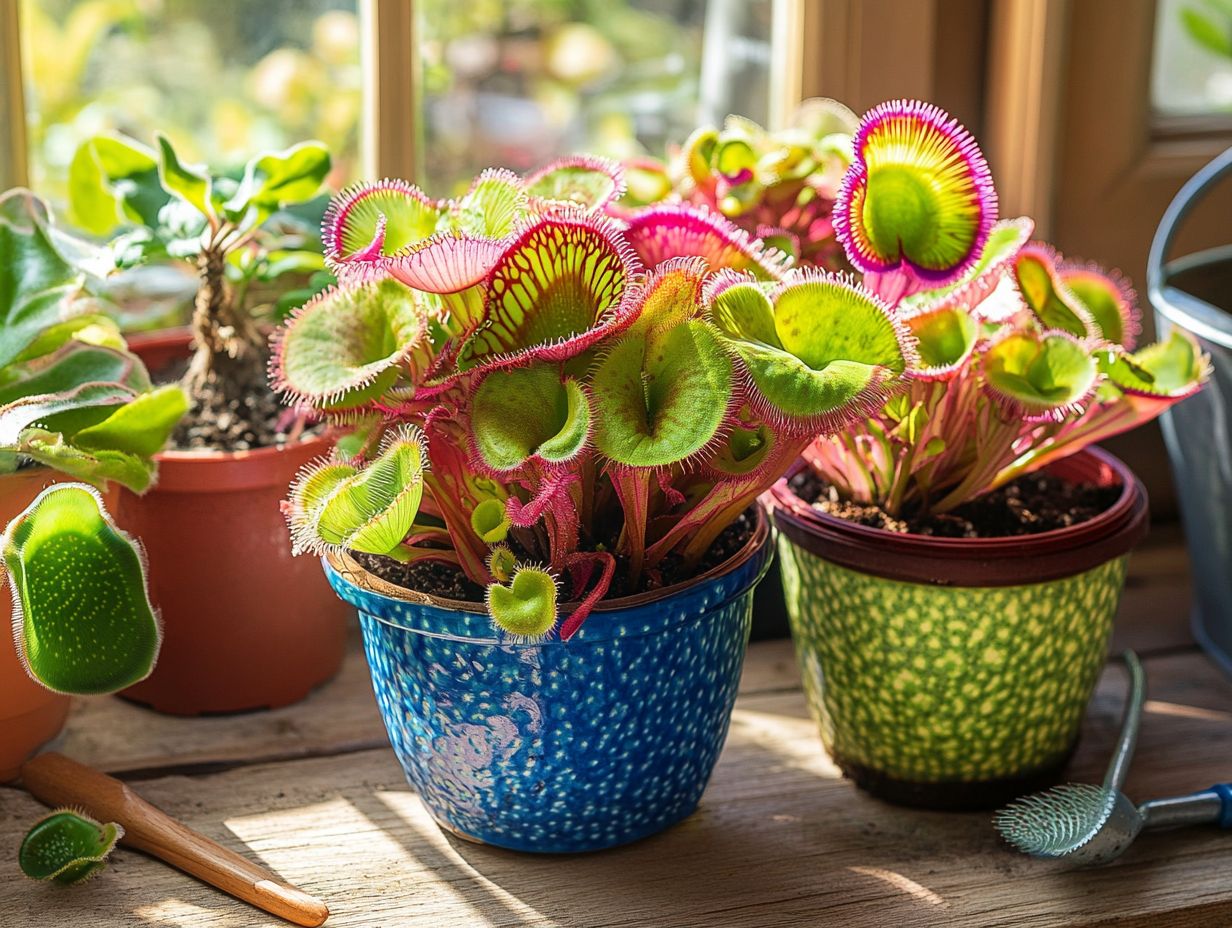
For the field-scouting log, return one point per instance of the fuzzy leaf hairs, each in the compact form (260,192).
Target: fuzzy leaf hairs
(67,847)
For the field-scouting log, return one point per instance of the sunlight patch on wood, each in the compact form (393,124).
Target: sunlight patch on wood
(791,739)
(179,912)
(1156,707)
(903,883)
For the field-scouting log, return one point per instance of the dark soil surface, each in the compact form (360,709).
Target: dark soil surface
(450,582)
(1027,506)
(218,424)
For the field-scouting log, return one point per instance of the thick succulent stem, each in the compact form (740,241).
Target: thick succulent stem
(229,352)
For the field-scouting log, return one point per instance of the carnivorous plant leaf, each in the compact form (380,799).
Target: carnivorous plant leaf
(82,620)
(490,521)
(526,608)
(1172,368)
(529,412)
(1042,375)
(918,194)
(581,180)
(1035,272)
(338,507)
(1108,300)
(67,847)
(369,220)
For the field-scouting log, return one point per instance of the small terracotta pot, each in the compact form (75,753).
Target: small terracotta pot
(30,715)
(954,672)
(245,625)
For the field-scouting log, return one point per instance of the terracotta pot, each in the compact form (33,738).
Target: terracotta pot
(30,715)
(954,672)
(245,625)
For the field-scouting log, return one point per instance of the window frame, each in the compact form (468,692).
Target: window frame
(390,143)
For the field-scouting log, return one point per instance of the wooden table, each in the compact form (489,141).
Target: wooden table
(780,840)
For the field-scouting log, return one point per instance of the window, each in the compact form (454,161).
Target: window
(511,82)
(1192,70)
(221,78)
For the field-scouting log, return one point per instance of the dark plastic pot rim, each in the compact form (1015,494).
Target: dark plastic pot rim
(350,569)
(976,562)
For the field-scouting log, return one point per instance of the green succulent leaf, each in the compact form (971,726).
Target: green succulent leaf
(67,847)
(278,179)
(56,451)
(529,412)
(345,346)
(526,608)
(82,618)
(832,351)
(661,397)
(114,181)
(39,287)
(190,184)
(1043,375)
(337,506)
(1172,368)
(490,521)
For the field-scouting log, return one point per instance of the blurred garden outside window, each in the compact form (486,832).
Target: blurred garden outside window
(465,84)
(1191,74)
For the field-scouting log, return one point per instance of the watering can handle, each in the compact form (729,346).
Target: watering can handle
(1177,210)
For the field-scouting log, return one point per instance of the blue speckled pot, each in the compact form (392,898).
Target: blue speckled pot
(559,746)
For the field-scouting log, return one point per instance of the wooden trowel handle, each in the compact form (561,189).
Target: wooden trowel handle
(54,779)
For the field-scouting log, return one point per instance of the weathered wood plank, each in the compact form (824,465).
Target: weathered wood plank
(779,841)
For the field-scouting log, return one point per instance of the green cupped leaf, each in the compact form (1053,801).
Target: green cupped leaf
(945,338)
(1174,367)
(742,451)
(490,521)
(580,180)
(661,397)
(834,350)
(1052,302)
(1040,375)
(529,412)
(82,619)
(67,847)
(345,346)
(1108,300)
(526,609)
(492,206)
(334,506)
(502,563)
(367,221)
(1005,240)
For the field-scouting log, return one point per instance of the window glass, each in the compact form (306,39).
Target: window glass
(516,82)
(1192,71)
(222,78)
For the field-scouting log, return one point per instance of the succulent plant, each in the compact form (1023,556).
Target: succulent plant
(67,847)
(239,234)
(71,396)
(1024,356)
(580,384)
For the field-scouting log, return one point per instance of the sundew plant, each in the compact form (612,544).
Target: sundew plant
(546,387)
(1024,356)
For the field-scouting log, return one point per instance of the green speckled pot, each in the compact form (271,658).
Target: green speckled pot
(953,673)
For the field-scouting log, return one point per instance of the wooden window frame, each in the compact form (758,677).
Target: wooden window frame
(390,142)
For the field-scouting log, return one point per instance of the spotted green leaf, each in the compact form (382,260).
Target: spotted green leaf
(82,619)
(67,847)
